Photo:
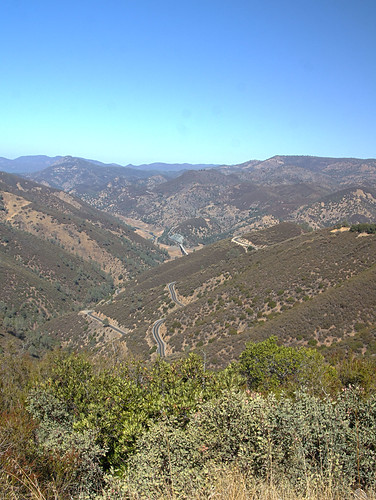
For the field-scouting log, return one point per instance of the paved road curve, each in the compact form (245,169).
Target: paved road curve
(156,335)
(156,326)
(171,289)
(90,313)
(155,330)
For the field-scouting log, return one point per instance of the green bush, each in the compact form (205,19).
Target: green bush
(304,439)
(119,405)
(363,228)
(268,366)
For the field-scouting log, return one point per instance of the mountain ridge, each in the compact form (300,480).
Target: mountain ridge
(28,164)
(205,205)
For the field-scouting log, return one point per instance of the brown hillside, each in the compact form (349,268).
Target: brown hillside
(311,288)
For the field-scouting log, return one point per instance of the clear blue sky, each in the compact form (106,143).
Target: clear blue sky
(135,81)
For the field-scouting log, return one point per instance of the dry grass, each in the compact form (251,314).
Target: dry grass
(233,485)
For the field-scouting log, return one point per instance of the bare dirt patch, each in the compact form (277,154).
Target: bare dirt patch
(68,199)
(340,230)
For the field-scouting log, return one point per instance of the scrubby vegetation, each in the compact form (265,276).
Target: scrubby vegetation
(278,419)
(58,255)
(363,228)
(292,411)
(309,289)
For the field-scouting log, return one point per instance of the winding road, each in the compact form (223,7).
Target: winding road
(246,244)
(160,342)
(90,313)
(171,289)
(156,326)
(242,243)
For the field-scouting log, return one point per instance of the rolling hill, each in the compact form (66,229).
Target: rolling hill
(354,205)
(315,288)
(27,164)
(83,177)
(59,254)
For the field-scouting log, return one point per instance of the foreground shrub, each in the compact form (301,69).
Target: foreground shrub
(268,366)
(120,404)
(305,440)
(71,458)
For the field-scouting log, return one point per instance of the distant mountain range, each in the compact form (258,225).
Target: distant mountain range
(27,164)
(35,163)
(204,203)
